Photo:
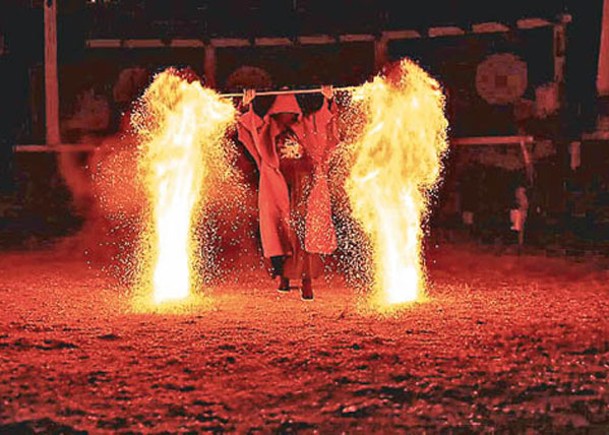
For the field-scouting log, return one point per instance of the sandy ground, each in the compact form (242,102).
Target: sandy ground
(505,343)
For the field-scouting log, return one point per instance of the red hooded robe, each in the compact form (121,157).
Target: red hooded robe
(315,134)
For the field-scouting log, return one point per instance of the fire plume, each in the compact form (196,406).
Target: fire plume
(181,127)
(397,161)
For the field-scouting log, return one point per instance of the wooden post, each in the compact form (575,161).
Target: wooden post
(381,56)
(209,66)
(602,81)
(528,162)
(560,49)
(51,85)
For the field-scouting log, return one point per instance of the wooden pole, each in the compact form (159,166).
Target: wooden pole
(51,85)
(602,81)
(459,141)
(381,55)
(295,91)
(209,66)
(560,51)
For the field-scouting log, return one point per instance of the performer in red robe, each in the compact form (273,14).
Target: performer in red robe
(291,152)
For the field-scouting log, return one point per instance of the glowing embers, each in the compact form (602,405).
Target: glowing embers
(181,128)
(396,164)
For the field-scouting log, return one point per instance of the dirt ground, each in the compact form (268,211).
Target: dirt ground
(504,344)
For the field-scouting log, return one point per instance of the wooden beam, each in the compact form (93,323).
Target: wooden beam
(272,42)
(493,140)
(356,38)
(187,43)
(389,35)
(104,43)
(317,40)
(230,42)
(490,27)
(401,34)
(51,82)
(61,148)
(158,43)
(143,43)
(532,23)
(445,31)
(596,136)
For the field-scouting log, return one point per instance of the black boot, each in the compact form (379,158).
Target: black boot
(277,263)
(307,290)
(284,284)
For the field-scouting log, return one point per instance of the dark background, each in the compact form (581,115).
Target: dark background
(558,192)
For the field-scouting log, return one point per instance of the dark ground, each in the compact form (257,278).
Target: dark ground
(506,344)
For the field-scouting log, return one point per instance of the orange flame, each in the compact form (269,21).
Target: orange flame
(397,162)
(181,126)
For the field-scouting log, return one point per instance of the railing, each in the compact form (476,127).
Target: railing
(230,18)
(463,141)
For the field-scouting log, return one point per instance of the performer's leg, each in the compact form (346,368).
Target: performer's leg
(307,283)
(284,284)
(278,266)
(307,289)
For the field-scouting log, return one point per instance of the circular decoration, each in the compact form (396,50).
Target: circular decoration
(501,78)
(248,76)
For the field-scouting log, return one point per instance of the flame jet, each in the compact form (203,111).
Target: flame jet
(181,128)
(397,161)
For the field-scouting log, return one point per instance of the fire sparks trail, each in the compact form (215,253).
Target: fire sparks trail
(181,126)
(397,162)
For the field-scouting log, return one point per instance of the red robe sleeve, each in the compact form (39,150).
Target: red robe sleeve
(248,126)
(321,132)
(320,234)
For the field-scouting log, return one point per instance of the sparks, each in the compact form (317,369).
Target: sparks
(181,126)
(397,162)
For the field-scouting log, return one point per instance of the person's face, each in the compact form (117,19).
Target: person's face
(286,119)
